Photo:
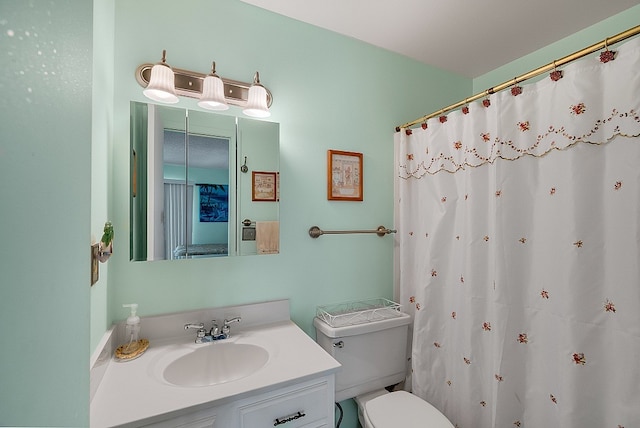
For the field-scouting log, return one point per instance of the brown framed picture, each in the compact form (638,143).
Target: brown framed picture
(344,176)
(263,186)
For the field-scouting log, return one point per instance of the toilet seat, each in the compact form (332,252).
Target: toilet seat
(402,409)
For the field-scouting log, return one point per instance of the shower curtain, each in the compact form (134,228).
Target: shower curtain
(518,251)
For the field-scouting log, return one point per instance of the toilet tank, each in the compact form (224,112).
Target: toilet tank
(373,354)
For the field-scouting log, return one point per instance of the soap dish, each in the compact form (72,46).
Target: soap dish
(121,353)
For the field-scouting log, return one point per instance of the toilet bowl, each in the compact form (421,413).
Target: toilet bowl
(398,409)
(374,356)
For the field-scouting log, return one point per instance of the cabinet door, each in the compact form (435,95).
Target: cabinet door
(304,407)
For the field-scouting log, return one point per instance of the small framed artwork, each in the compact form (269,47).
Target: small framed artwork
(344,176)
(214,203)
(263,186)
(95,270)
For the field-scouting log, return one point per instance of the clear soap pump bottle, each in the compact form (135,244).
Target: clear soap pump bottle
(132,328)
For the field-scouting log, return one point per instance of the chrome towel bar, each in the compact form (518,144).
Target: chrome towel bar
(315,231)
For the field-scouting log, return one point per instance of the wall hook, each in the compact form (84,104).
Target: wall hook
(244,167)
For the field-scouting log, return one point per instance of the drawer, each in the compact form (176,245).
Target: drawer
(200,419)
(304,407)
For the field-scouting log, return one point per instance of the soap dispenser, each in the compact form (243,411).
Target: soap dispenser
(133,323)
(134,347)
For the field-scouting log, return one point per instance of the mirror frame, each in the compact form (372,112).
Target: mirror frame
(247,142)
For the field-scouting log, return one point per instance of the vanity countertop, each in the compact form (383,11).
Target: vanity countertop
(133,392)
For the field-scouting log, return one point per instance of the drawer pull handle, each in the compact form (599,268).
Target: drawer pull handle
(284,420)
(339,344)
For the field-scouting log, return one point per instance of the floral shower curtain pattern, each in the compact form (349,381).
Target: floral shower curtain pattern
(518,251)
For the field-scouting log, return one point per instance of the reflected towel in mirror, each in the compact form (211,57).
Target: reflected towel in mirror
(268,237)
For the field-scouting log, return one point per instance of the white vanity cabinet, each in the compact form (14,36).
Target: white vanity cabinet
(294,388)
(304,405)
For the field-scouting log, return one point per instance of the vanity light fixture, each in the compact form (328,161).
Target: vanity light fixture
(255,99)
(257,102)
(161,86)
(213,92)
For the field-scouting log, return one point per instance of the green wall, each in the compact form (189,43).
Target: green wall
(45,166)
(587,37)
(101,158)
(330,92)
(64,168)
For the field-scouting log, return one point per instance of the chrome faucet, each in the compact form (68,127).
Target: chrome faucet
(215,330)
(215,333)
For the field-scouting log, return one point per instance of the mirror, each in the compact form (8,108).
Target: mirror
(202,184)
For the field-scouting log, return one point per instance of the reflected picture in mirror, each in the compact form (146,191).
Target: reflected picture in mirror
(190,198)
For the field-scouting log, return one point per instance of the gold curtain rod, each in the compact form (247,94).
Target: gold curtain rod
(533,73)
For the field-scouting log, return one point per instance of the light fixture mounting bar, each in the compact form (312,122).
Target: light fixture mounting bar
(189,84)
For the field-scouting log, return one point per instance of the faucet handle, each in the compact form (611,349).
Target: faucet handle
(199,326)
(225,328)
(236,319)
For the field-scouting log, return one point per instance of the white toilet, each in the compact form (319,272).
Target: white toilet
(373,356)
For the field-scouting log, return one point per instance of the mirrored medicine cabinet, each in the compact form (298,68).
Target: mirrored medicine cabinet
(200,184)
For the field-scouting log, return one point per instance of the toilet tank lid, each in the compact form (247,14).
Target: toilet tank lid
(368,327)
(402,409)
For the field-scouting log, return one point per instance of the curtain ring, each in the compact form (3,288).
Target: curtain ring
(607,55)
(555,75)
(515,89)
(486,102)
(465,106)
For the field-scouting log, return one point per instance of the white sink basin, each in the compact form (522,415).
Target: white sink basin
(216,363)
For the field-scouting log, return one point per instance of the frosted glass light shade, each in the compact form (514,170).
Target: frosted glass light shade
(213,94)
(161,86)
(257,102)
